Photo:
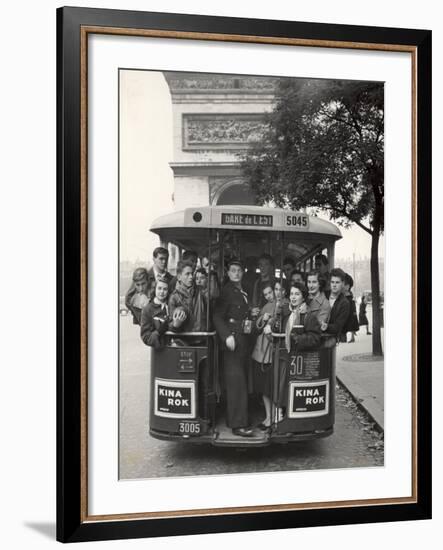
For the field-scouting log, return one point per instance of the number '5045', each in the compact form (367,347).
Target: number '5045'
(297,220)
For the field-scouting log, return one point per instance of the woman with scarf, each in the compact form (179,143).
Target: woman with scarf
(302,332)
(302,328)
(155,316)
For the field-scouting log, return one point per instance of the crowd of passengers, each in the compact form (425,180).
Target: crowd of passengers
(248,307)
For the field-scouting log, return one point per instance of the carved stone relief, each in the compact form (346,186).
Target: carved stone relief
(237,131)
(196,82)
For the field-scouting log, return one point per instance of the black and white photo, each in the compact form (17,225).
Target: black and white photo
(251,274)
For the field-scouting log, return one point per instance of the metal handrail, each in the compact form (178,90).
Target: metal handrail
(172,333)
(283,334)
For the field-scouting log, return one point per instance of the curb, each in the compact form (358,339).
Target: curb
(360,405)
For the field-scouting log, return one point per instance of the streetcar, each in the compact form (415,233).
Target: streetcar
(186,387)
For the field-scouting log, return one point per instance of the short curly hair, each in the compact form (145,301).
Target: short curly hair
(302,288)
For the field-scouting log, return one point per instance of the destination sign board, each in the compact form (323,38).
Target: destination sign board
(254,220)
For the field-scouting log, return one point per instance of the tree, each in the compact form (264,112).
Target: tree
(324,148)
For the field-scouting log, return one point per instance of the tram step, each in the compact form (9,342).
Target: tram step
(224,437)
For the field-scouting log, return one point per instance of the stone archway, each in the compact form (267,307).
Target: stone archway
(234,192)
(216,117)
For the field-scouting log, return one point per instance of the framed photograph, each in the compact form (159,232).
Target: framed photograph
(244,242)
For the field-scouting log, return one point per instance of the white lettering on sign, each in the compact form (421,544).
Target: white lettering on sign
(178,402)
(174,398)
(296,365)
(308,399)
(315,400)
(306,392)
(247,219)
(169,393)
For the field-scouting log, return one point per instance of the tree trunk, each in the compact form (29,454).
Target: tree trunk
(375,287)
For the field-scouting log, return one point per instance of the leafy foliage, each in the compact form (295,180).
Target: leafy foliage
(324,149)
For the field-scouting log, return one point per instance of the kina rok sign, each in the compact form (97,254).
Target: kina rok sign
(308,384)
(174,398)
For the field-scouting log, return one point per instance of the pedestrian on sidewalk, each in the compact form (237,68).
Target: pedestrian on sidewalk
(352,324)
(362,318)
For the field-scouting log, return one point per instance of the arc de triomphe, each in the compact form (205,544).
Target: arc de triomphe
(215,118)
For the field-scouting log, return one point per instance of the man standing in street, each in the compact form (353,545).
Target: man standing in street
(233,325)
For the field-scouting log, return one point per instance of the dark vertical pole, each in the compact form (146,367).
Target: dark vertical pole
(208,309)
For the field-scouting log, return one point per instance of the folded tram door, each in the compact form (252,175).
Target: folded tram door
(186,381)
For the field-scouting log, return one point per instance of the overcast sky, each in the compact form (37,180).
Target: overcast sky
(146,181)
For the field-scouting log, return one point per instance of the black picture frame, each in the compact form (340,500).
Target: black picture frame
(72,520)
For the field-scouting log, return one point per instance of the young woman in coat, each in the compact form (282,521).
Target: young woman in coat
(302,332)
(155,316)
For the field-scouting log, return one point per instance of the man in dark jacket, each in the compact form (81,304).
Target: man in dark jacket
(340,306)
(159,269)
(231,322)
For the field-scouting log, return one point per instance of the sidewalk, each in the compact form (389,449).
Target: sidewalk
(363,379)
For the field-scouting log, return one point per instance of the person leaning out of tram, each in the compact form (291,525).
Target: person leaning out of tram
(155,316)
(147,278)
(317,302)
(302,332)
(159,268)
(232,320)
(352,325)
(301,325)
(340,307)
(187,303)
(138,294)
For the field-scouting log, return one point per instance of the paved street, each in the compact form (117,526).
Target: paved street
(354,443)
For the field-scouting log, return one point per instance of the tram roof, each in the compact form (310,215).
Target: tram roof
(242,217)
